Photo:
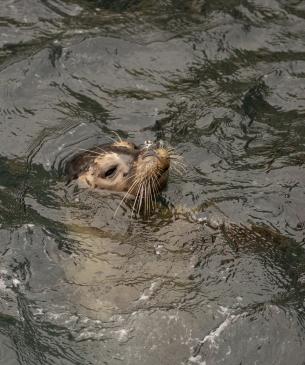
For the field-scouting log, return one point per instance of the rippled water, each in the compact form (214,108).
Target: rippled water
(220,81)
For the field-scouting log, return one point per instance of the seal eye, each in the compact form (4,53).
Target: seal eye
(110,172)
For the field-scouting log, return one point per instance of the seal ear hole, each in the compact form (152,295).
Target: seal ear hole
(110,172)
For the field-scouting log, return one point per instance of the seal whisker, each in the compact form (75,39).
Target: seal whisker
(117,134)
(153,194)
(179,167)
(128,192)
(178,171)
(111,139)
(177,160)
(176,157)
(148,196)
(140,201)
(100,149)
(154,189)
(179,164)
(91,151)
(145,199)
(134,203)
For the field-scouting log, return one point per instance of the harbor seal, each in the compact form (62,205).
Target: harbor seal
(140,172)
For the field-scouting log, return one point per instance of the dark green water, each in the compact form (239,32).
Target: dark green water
(223,82)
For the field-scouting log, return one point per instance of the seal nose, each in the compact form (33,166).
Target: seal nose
(149,153)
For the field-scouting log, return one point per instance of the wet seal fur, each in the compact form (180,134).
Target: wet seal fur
(141,173)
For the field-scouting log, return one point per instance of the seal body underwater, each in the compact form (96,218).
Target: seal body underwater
(139,172)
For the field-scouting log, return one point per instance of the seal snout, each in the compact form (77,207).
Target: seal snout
(149,153)
(154,160)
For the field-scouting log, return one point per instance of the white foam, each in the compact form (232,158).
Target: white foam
(212,336)
(16,282)
(85,335)
(146,296)
(223,310)
(122,334)
(29,225)
(197,360)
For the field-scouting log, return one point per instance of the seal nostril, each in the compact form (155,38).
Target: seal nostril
(149,153)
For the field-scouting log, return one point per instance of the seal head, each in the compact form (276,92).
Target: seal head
(123,167)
